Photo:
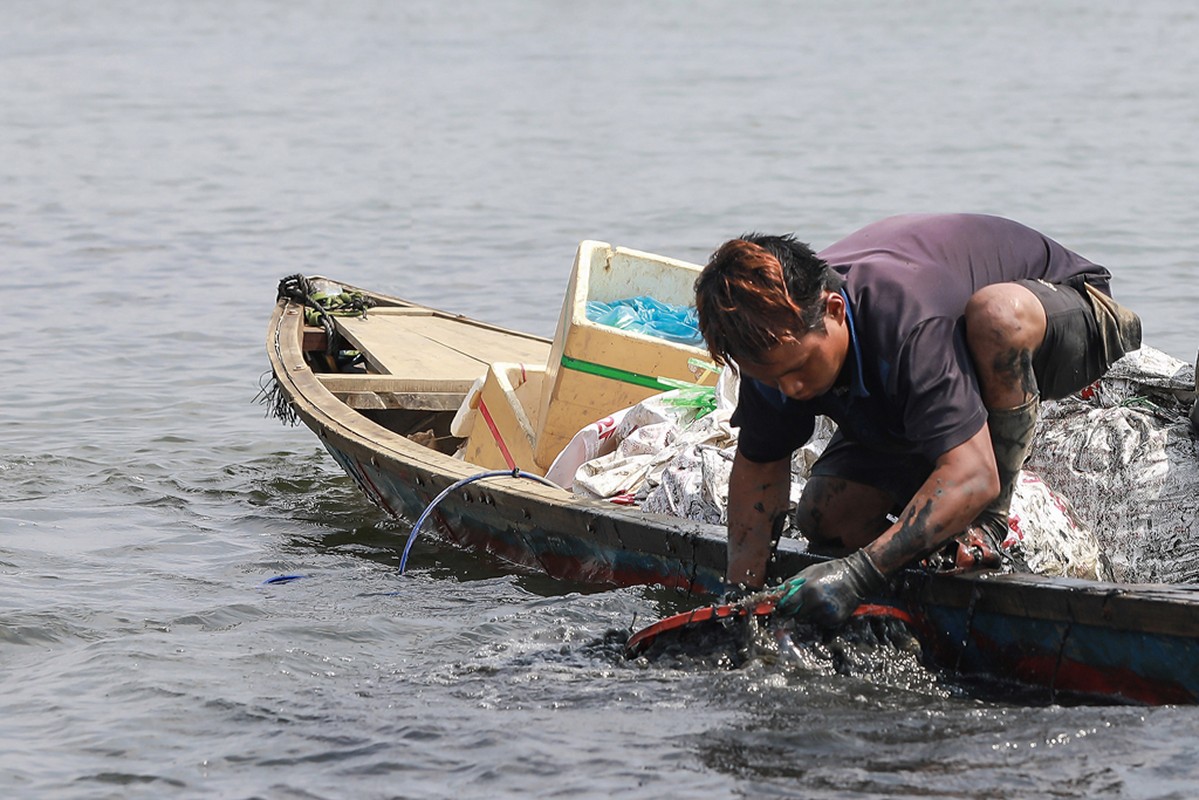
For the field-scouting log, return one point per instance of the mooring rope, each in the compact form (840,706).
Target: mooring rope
(322,307)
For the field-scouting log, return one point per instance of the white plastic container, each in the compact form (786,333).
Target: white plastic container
(594,370)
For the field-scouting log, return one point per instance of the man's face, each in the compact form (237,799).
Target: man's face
(805,366)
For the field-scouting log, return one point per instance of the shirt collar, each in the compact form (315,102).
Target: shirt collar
(857,387)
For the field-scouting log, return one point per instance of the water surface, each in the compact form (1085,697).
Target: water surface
(162,165)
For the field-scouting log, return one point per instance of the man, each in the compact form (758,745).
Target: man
(930,340)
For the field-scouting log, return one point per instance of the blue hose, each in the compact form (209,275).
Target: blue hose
(499,473)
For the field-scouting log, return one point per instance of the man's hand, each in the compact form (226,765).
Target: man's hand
(827,594)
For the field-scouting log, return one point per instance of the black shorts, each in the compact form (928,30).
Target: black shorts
(1072,356)
(1081,342)
(897,474)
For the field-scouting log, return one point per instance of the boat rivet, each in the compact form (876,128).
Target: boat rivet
(591,527)
(525,511)
(375,462)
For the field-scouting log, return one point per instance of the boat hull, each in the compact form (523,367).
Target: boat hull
(1127,643)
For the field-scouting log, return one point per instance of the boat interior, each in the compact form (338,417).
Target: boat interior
(408,368)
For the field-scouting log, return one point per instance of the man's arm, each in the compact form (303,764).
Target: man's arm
(758,493)
(963,481)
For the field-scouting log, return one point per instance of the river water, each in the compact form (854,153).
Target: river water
(163,164)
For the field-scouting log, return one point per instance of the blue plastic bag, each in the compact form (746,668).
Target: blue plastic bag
(644,314)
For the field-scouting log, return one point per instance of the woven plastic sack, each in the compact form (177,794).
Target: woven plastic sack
(1126,455)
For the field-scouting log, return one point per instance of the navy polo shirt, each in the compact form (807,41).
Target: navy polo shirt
(908,384)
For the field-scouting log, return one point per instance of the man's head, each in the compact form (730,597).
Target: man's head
(771,305)
(758,289)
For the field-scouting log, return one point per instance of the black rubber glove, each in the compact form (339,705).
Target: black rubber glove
(828,593)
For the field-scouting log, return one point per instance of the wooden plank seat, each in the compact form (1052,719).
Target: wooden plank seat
(423,359)
(370,391)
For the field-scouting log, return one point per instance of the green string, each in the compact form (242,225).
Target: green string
(690,395)
(622,375)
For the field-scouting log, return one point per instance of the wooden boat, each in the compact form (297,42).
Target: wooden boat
(387,424)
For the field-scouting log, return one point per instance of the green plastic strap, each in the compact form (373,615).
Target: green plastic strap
(622,375)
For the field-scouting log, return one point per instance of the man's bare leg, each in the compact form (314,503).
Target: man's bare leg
(839,513)
(1005,324)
